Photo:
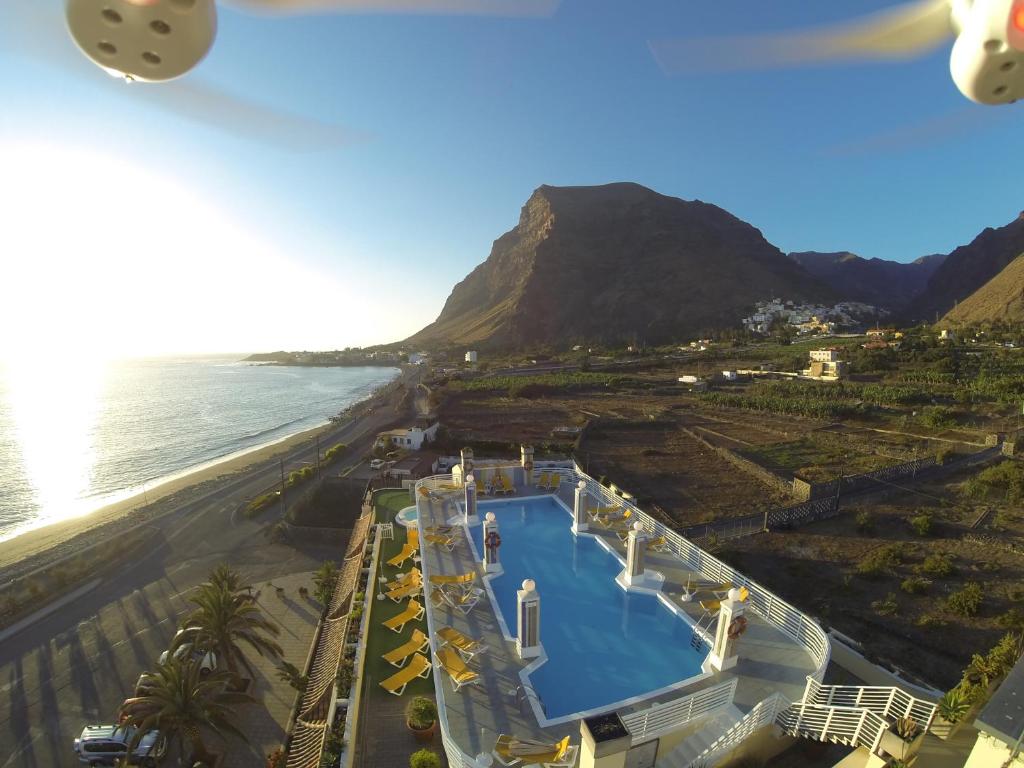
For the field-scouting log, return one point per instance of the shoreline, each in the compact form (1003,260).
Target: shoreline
(175,490)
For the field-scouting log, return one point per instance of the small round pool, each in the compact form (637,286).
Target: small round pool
(407,517)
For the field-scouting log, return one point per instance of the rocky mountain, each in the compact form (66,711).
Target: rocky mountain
(891,285)
(967,269)
(1001,298)
(616,263)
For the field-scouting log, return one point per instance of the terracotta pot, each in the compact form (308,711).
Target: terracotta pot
(426,735)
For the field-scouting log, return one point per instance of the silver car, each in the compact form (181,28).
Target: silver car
(207,661)
(106,744)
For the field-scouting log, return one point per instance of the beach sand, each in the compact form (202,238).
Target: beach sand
(40,546)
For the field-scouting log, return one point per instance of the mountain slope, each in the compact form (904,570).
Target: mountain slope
(888,284)
(967,269)
(615,263)
(1001,298)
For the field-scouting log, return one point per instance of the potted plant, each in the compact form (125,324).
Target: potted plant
(605,735)
(904,743)
(950,712)
(424,758)
(421,718)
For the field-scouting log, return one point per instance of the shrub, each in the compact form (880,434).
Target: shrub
(879,561)
(865,521)
(922,524)
(938,565)
(344,678)
(421,713)
(276,758)
(966,601)
(915,585)
(886,607)
(930,620)
(954,705)
(424,758)
(332,749)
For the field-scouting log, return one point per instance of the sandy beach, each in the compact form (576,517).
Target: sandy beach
(38,546)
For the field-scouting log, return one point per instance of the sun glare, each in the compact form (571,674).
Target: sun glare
(103,259)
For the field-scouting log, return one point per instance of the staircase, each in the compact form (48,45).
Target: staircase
(702,742)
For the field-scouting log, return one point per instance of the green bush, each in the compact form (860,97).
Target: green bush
(424,758)
(922,524)
(334,452)
(915,585)
(421,713)
(880,561)
(966,601)
(938,565)
(865,521)
(886,607)
(954,705)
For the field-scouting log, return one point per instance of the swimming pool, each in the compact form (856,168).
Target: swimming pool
(407,517)
(603,645)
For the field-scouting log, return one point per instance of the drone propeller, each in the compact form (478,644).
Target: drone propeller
(418,7)
(903,32)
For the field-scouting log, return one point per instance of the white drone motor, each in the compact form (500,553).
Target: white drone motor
(987,62)
(148,40)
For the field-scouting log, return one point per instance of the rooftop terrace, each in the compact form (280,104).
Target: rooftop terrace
(778,652)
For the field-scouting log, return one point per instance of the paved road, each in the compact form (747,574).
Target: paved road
(77,665)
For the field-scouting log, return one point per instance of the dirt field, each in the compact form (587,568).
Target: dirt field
(817,569)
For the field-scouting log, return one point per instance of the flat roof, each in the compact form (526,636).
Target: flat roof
(1003,716)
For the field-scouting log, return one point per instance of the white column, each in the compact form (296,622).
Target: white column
(491,544)
(526,460)
(467,462)
(636,547)
(470,487)
(528,620)
(579,508)
(723,651)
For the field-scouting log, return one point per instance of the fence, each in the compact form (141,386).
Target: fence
(663,717)
(762,715)
(311,724)
(851,483)
(887,702)
(854,726)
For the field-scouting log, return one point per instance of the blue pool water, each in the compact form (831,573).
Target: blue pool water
(603,644)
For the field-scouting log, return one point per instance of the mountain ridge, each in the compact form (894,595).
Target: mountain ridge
(891,285)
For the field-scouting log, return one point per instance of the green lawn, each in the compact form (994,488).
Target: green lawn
(381,639)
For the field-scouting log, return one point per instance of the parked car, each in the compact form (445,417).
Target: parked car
(207,661)
(106,744)
(377,464)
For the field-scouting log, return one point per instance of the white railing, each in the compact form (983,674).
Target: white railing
(667,716)
(853,726)
(761,716)
(772,608)
(887,702)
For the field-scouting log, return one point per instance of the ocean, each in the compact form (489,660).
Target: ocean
(74,439)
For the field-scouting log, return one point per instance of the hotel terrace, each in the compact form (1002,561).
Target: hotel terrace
(544,592)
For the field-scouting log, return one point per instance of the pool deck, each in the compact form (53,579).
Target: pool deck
(769,660)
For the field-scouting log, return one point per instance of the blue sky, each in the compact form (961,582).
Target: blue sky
(451,122)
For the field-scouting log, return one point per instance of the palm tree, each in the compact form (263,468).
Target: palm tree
(230,579)
(324,579)
(223,622)
(178,702)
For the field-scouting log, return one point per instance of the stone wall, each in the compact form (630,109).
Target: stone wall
(755,470)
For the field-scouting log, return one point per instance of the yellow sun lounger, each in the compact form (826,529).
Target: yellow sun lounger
(504,485)
(412,612)
(413,573)
(467,646)
(418,667)
(556,480)
(407,551)
(415,644)
(456,668)
(412,538)
(616,521)
(405,591)
(512,751)
(463,578)
(441,541)
(659,544)
(543,480)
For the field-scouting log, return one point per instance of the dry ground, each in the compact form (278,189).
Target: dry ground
(816,568)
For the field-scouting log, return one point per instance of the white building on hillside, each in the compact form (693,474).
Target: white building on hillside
(471,356)
(411,438)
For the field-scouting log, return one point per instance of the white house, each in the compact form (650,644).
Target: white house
(410,438)
(418,358)
(471,356)
(1001,725)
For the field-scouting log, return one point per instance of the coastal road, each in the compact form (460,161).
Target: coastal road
(77,665)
